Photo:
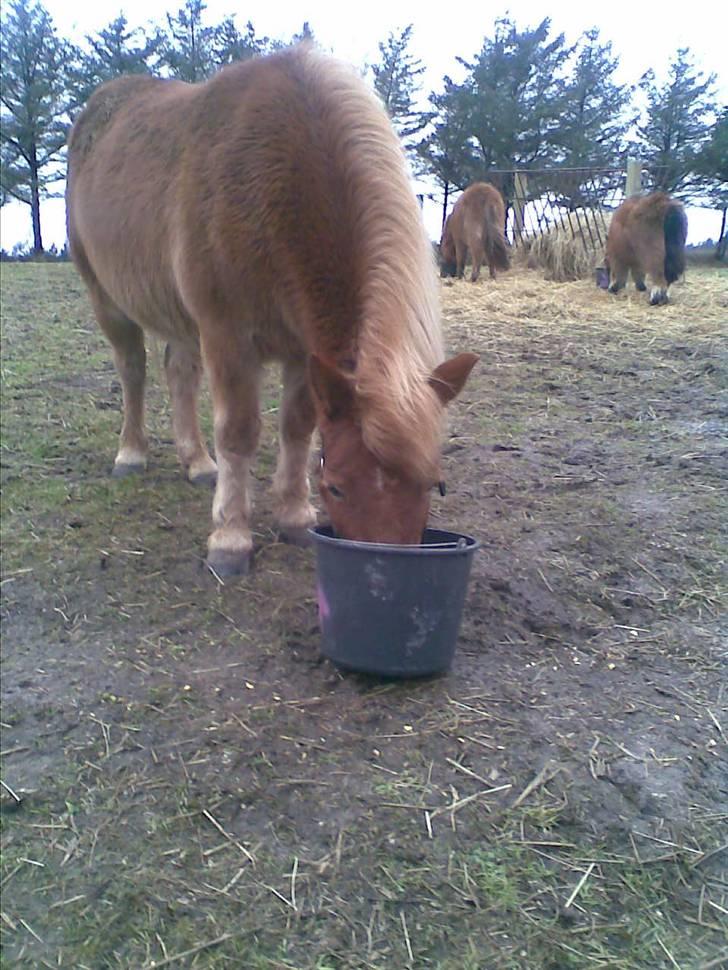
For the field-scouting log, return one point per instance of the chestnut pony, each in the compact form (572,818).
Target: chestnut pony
(267,214)
(647,237)
(475,225)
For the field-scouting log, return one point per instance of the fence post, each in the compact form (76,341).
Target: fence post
(634,177)
(520,189)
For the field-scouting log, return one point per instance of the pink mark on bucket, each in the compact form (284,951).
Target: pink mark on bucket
(323,604)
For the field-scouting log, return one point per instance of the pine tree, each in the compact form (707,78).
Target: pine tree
(594,116)
(305,34)
(397,82)
(678,121)
(711,168)
(514,95)
(187,50)
(445,152)
(230,45)
(35,107)
(113,51)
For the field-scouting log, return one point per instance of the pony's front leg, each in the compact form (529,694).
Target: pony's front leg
(291,489)
(656,274)
(234,374)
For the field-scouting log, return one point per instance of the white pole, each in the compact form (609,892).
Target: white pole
(634,177)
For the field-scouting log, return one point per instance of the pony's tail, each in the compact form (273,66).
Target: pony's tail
(676,232)
(495,242)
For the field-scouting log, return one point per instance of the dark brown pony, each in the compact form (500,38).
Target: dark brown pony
(647,237)
(267,214)
(476,225)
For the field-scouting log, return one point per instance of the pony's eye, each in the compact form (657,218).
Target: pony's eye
(335,492)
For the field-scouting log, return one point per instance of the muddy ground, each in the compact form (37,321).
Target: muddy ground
(188,783)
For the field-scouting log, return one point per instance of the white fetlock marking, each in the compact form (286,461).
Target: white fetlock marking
(202,466)
(130,456)
(232,499)
(230,540)
(296,516)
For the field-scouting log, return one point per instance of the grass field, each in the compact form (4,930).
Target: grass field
(187,783)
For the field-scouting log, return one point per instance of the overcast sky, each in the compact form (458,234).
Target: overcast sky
(642,35)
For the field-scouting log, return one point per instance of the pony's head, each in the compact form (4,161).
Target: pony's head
(447,255)
(365,500)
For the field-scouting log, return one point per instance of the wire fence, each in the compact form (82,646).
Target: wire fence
(538,201)
(577,200)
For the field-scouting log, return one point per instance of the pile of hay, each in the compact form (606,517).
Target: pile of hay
(524,302)
(571,250)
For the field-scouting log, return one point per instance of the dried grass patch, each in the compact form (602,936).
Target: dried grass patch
(571,250)
(523,297)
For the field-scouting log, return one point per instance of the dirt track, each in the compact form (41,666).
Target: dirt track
(196,780)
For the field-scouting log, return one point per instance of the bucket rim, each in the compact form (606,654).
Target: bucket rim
(447,548)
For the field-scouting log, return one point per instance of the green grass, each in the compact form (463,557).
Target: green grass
(199,788)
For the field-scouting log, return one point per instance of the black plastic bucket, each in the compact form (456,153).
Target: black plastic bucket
(392,610)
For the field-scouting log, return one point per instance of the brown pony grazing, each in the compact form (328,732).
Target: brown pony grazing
(267,214)
(647,236)
(475,225)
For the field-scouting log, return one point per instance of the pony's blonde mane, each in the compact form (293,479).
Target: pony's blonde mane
(399,340)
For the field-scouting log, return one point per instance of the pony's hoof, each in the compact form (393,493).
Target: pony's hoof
(203,478)
(125,469)
(295,535)
(225,564)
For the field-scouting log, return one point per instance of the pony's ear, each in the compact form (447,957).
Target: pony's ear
(332,388)
(449,378)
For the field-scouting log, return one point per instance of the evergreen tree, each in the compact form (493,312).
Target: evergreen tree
(445,152)
(187,50)
(229,44)
(711,167)
(593,118)
(34,119)
(514,96)
(306,33)
(678,122)
(397,82)
(115,50)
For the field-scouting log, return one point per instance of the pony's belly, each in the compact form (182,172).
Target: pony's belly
(162,316)
(277,343)
(150,299)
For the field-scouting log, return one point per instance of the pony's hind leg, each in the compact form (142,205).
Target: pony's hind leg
(233,369)
(291,489)
(617,276)
(183,368)
(127,341)
(655,265)
(461,255)
(477,255)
